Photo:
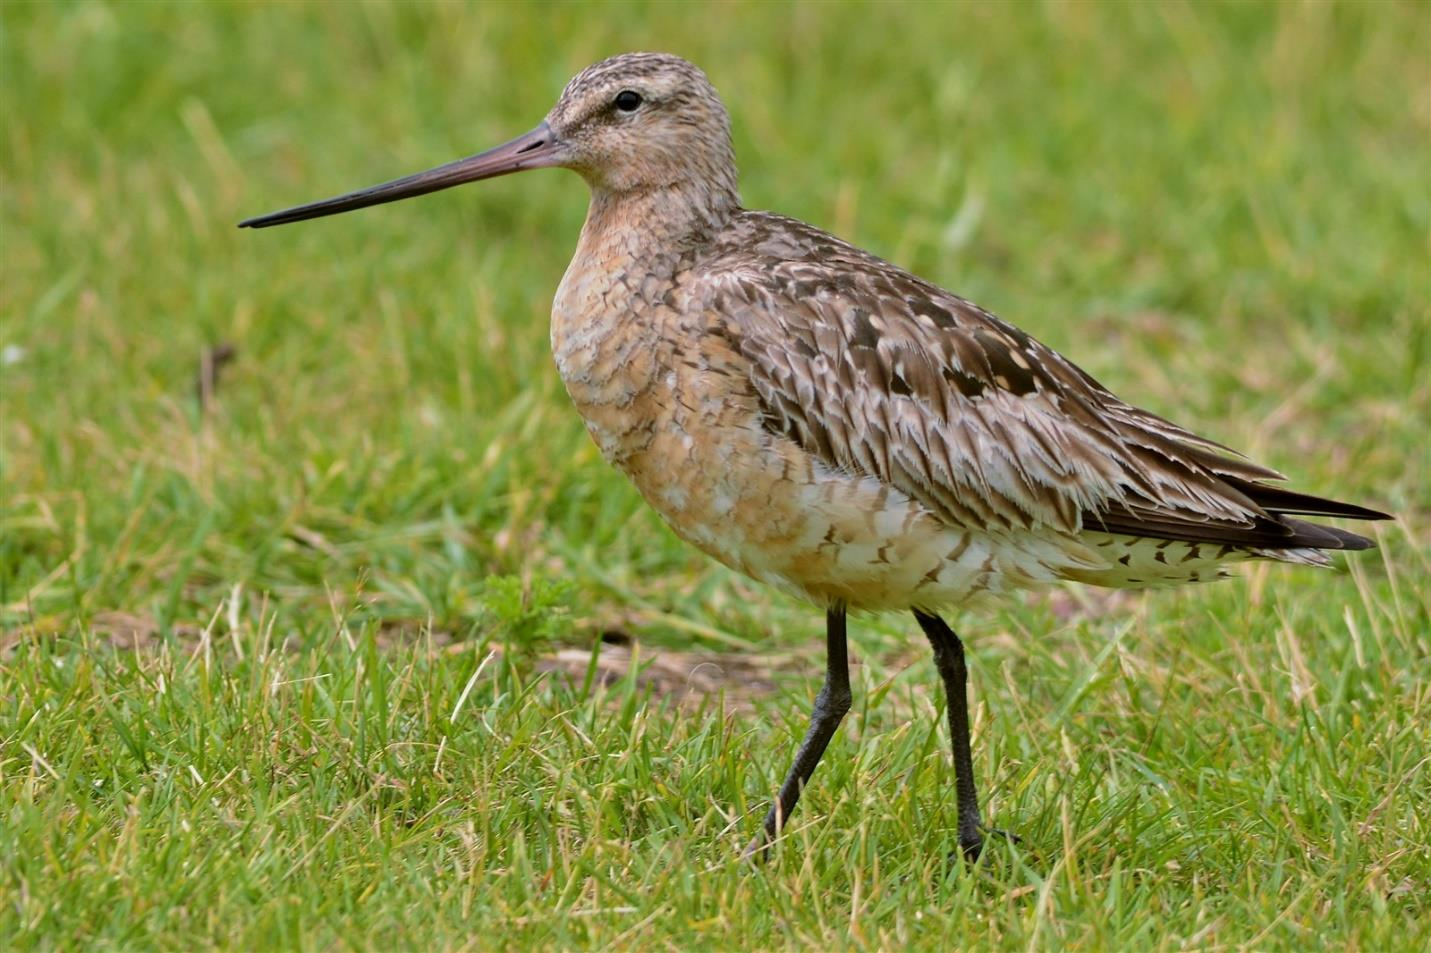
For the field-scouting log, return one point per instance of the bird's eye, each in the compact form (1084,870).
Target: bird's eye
(628,100)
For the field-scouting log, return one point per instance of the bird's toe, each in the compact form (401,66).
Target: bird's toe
(971,845)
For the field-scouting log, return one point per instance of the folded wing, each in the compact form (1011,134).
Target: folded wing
(876,371)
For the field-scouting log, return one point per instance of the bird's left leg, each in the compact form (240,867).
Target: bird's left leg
(830,707)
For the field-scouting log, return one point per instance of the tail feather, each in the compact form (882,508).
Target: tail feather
(1318,536)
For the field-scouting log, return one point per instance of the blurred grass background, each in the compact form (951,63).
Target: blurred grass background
(276,669)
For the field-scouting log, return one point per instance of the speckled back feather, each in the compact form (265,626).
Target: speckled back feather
(878,371)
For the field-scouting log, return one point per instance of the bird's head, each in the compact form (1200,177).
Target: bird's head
(632,123)
(643,121)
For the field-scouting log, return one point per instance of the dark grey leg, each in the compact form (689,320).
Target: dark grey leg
(949,659)
(830,706)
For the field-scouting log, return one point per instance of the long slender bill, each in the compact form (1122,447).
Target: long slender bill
(535,150)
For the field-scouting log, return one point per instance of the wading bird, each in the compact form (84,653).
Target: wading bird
(828,423)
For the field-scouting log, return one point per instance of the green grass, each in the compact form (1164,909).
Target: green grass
(279,672)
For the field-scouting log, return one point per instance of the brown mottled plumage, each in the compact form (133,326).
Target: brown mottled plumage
(826,422)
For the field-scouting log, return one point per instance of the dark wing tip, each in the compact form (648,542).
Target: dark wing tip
(1273,531)
(1276,499)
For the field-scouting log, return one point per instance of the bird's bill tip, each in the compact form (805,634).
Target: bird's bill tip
(534,150)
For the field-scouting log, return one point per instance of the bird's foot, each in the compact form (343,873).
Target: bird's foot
(757,851)
(971,843)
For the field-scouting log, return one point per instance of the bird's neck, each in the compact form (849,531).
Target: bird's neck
(632,249)
(632,245)
(654,227)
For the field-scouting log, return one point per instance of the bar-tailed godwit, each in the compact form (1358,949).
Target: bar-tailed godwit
(828,423)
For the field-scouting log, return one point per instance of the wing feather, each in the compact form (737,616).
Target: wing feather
(878,372)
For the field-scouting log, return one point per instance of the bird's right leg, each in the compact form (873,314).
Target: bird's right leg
(830,706)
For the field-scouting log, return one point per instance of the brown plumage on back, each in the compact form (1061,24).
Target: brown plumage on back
(828,423)
(875,370)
